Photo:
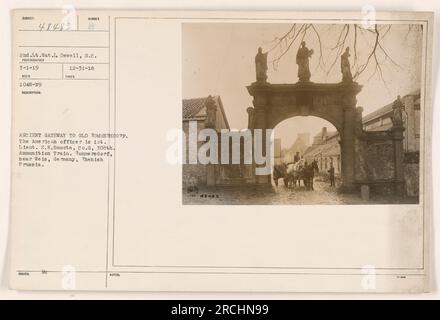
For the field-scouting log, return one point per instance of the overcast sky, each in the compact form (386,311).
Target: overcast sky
(218,59)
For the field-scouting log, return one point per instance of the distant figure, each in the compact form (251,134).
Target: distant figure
(331,172)
(345,66)
(296,158)
(261,65)
(302,60)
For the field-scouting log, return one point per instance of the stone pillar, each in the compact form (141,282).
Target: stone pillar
(359,125)
(259,122)
(348,144)
(399,183)
(211,113)
(251,116)
(210,122)
(210,175)
(397,134)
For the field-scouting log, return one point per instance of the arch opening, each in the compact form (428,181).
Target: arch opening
(310,138)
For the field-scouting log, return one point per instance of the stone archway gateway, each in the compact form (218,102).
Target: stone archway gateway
(335,103)
(373,159)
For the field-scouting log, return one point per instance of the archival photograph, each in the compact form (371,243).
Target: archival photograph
(221,151)
(302,113)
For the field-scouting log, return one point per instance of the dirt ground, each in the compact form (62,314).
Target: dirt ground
(256,195)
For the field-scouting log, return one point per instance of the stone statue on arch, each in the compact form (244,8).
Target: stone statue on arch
(302,60)
(261,65)
(345,66)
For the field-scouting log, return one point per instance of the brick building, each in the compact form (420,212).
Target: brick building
(196,110)
(381,120)
(326,150)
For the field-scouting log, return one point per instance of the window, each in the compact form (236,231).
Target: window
(386,121)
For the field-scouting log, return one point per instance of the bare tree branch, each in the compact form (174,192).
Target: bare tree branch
(295,36)
(378,56)
(340,45)
(279,40)
(321,62)
(355,59)
(372,54)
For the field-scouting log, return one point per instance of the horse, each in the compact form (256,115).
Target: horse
(291,174)
(294,173)
(309,174)
(280,171)
(283,171)
(302,171)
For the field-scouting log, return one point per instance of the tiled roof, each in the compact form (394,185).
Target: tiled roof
(194,108)
(378,113)
(382,127)
(329,134)
(386,109)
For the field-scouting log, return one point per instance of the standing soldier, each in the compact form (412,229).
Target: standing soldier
(331,172)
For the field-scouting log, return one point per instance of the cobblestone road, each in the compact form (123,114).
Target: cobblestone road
(323,194)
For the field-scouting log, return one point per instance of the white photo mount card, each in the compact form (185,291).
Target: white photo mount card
(221,151)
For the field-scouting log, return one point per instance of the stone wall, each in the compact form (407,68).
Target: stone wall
(193,175)
(412,122)
(374,165)
(411,173)
(234,174)
(229,174)
(224,174)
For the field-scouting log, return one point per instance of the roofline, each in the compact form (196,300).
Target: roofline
(223,111)
(369,117)
(200,118)
(382,115)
